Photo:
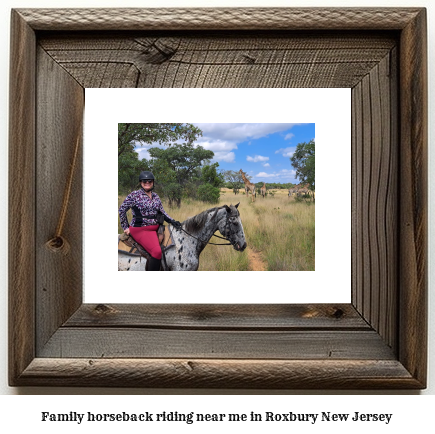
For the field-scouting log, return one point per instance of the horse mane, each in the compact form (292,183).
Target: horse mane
(197,222)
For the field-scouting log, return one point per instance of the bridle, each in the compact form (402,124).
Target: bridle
(228,232)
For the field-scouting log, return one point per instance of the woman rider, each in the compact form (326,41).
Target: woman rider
(146,205)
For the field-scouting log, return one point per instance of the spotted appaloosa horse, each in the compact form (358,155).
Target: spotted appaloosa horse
(190,241)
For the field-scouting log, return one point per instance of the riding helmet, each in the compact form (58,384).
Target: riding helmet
(146,175)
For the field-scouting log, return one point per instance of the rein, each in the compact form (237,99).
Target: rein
(227,226)
(208,242)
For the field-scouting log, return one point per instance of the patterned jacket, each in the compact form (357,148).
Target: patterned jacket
(141,203)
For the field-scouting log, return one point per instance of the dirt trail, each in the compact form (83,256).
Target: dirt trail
(256,263)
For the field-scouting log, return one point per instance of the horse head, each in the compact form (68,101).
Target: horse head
(231,227)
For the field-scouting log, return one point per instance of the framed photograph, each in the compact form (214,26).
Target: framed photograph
(292,237)
(376,341)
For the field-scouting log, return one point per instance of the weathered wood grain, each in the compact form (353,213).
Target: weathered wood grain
(413,189)
(228,374)
(94,342)
(392,226)
(376,197)
(59,277)
(388,202)
(235,60)
(220,317)
(357,197)
(365,192)
(220,18)
(22,155)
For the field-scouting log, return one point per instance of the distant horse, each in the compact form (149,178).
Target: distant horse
(191,239)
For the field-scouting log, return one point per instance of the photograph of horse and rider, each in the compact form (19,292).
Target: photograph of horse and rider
(216,197)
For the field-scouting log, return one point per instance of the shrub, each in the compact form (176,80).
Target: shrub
(208,193)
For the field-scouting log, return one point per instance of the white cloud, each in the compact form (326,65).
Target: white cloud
(222,148)
(223,138)
(266,175)
(217,145)
(142,150)
(143,153)
(284,175)
(241,132)
(289,136)
(288,172)
(266,165)
(256,159)
(228,157)
(286,152)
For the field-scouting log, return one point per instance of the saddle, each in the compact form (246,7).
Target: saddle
(138,249)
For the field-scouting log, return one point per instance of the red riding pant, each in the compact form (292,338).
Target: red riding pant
(147,237)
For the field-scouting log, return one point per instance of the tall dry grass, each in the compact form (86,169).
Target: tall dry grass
(279,229)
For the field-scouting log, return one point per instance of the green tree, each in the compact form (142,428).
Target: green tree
(166,181)
(208,193)
(234,180)
(132,135)
(178,165)
(303,161)
(174,193)
(210,175)
(211,180)
(129,167)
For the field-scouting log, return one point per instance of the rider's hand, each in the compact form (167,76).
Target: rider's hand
(176,224)
(127,231)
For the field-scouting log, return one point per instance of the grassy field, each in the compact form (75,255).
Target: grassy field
(279,232)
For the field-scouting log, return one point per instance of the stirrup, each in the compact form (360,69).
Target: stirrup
(135,247)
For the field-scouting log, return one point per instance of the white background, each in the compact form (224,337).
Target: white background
(413,413)
(329,109)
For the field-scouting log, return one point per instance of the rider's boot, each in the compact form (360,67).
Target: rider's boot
(154,264)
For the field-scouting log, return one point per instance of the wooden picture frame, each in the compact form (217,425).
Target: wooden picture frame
(378,341)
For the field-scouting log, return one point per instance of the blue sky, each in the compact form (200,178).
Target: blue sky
(261,150)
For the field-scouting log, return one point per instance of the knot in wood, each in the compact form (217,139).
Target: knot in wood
(338,313)
(58,244)
(103,309)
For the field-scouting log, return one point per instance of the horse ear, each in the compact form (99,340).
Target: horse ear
(227,208)
(235,206)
